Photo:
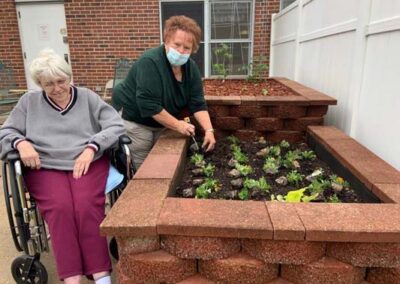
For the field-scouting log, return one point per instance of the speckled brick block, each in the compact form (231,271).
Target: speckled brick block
(249,111)
(246,134)
(300,124)
(218,111)
(228,123)
(135,245)
(313,111)
(287,111)
(122,278)
(157,267)
(288,135)
(196,279)
(280,280)
(384,275)
(366,254)
(287,252)
(200,247)
(264,123)
(239,268)
(326,270)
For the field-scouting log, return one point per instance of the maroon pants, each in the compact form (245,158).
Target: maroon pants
(73,210)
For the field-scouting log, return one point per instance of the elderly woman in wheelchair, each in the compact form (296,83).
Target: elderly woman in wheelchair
(61,134)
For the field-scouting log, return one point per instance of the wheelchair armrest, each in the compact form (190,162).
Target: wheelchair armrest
(124,139)
(12,156)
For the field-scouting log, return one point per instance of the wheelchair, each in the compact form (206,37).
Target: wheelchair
(27,225)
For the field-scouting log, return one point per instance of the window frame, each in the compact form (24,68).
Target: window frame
(207,33)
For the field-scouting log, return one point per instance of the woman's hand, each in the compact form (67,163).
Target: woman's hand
(209,141)
(185,128)
(28,154)
(82,164)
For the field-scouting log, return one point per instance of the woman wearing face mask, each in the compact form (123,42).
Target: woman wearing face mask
(161,83)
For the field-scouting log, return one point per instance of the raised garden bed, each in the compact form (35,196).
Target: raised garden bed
(283,114)
(164,239)
(258,170)
(167,239)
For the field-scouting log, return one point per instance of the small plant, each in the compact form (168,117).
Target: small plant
(238,155)
(264,92)
(208,170)
(294,178)
(274,151)
(284,144)
(233,140)
(208,186)
(271,165)
(298,196)
(223,56)
(279,197)
(318,186)
(308,155)
(263,185)
(244,194)
(290,158)
(197,160)
(334,199)
(256,68)
(339,180)
(250,183)
(260,184)
(244,170)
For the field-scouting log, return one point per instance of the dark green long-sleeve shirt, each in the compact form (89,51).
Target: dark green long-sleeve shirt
(150,87)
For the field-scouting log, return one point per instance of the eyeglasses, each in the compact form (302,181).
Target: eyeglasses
(51,85)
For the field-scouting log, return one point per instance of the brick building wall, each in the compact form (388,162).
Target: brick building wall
(101,31)
(10,44)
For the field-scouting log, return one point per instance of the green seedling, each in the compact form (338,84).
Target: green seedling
(308,155)
(279,197)
(223,58)
(250,183)
(294,178)
(207,187)
(238,155)
(274,151)
(318,186)
(263,185)
(208,170)
(233,140)
(339,180)
(334,199)
(298,196)
(244,194)
(271,165)
(264,92)
(290,158)
(197,160)
(284,144)
(244,170)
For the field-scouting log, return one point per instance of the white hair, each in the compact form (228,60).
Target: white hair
(49,65)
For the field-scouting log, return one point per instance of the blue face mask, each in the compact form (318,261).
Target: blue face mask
(176,58)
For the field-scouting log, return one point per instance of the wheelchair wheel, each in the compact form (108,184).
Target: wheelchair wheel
(24,273)
(113,246)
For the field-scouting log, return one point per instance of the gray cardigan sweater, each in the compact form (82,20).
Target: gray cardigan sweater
(60,135)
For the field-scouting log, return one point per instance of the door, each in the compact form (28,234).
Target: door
(41,25)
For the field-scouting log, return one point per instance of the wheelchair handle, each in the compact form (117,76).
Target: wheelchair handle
(124,139)
(12,156)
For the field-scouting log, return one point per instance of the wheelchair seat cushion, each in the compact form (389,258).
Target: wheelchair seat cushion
(113,180)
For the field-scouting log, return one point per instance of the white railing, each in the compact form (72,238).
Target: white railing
(350,50)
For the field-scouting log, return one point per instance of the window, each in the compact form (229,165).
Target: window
(227,32)
(285,3)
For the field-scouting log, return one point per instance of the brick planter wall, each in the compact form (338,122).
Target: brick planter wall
(274,117)
(163,239)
